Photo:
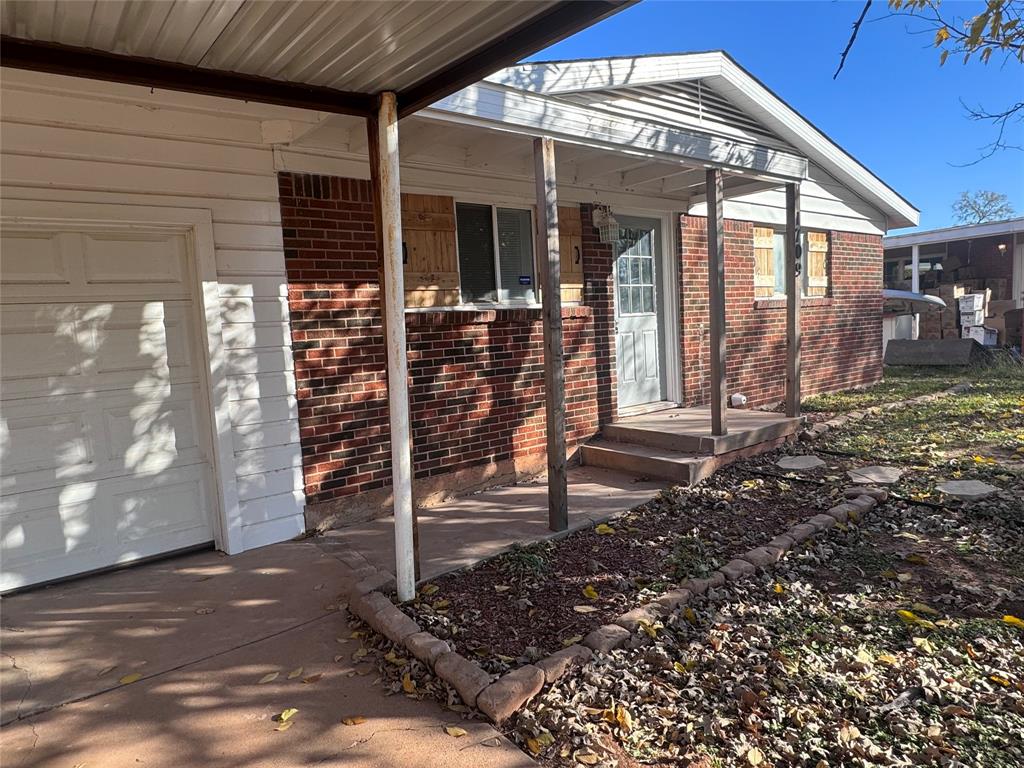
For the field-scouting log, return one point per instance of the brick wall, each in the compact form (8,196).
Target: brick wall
(841,333)
(476,378)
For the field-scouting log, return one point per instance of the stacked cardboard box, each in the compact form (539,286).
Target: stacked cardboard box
(974,309)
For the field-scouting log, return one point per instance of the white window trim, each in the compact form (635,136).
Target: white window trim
(482,306)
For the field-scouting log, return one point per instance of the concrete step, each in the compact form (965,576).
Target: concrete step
(680,467)
(658,431)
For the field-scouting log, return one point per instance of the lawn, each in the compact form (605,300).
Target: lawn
(898,383)
(893,640)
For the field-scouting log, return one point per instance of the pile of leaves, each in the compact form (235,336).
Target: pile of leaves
(834,659)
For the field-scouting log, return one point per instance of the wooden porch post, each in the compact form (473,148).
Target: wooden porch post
(793,290)
(551,297)
(383,141)
(716,294)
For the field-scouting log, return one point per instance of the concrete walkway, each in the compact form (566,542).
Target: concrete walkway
(466,530)
(202,630)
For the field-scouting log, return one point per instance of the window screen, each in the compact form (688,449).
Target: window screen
(515,255)
(779,251)
(475,232)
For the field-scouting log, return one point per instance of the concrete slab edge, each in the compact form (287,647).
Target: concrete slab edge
(817,430)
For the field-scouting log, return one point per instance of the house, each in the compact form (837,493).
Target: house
(985,258)
(204,282)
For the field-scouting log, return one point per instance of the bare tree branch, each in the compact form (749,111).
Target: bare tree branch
(853,37)
(1013,114)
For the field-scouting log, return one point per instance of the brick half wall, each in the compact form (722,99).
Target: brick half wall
(841,333)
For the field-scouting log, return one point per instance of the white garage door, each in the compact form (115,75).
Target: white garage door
(104,443)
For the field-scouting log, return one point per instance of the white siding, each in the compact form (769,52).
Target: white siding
(74,140)
(824,204)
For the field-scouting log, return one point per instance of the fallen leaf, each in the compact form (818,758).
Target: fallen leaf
(916,559)
(571,640)
(204,611)
(269,677)
(297,672)
(584,608)
(312,678)
(888,658)
(357,720)
(494,741)
(923,645)
(779,589)
(999,679)
(106,671)
(651,630)
(624,719)
(755,756)
(501,588)
(922,608)
(429,589)
(287,714)
(455,731)
(1013,621)
(284,726)
(408,684)
(130,678)
(604,529)
(587,758)
(689,615)
(589,592)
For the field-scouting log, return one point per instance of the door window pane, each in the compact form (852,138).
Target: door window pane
(515,255)
(475,233)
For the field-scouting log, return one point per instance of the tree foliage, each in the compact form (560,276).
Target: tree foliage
(995,29)
(981,206)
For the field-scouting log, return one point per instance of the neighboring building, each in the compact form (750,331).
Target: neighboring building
(193,326)
(951,262)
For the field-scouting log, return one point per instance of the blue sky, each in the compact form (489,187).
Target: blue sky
(893,107)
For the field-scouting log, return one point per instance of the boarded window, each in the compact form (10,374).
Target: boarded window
(764,263)
(431,269)
(770,263)
(570,250)
(816,264)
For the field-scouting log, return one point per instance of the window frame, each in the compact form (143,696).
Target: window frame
(494,205)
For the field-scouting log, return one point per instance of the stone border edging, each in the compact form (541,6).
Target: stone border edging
(499,699)
(817,430)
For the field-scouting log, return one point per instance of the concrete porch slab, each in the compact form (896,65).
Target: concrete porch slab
(199,701)
(688,430)
(466,530)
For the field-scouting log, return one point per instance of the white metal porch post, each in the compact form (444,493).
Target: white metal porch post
(384,174)
(716,300)
(793,290)
(551,297)
(915,268)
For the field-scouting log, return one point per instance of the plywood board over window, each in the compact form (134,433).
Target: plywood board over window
(817,264)
(570,246)
(431,261)
(764,262)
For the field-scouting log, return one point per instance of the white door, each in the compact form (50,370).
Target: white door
(638,335)
(104,457)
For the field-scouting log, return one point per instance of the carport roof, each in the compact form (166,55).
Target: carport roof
(316,54)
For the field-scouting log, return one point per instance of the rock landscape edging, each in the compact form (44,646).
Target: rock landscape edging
(499,699)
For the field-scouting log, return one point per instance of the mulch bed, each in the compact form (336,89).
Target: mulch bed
(527,603)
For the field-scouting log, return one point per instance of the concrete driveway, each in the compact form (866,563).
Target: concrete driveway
(201,630)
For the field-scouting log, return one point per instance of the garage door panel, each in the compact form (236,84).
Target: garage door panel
(135,258)
(44,442)
(41,531)
(104,437)
(34,257)
(24,331)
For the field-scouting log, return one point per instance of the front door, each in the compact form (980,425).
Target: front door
(638,337)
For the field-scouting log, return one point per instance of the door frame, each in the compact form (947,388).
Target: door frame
(669,308)
(196,224)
